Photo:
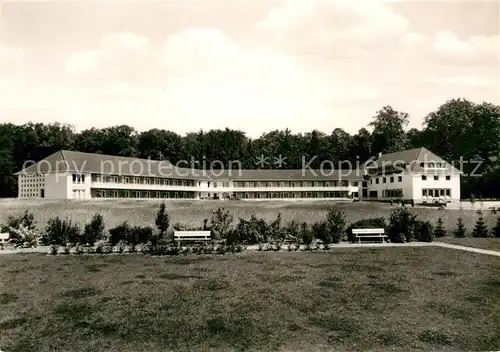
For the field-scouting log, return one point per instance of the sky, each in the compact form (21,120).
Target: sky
(251,65)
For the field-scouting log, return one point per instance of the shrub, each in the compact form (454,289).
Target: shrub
(66,249)
(306,235)
(460,231)
(94,231)
(369,223)
(102,247)
(248,232)
(25,237)
(79,249)
(480,230)
(496,229)
(292,231)
(320,231)
(162,221)
(401,225)
(220,223)
(122,232)
(424,231)
(120,246)
(140,235)
(439,231)
(335,227)
(53,249)
(27,221)
(59,232)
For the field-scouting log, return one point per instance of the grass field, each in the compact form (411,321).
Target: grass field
(360,299)
(483,243)
(192,213)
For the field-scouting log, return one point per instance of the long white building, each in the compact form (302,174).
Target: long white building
(415,174)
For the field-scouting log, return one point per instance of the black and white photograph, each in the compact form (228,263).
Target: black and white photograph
(249,175)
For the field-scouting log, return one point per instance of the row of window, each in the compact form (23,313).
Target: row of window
(439,192)
(251,184)
(142,180)
(392,193)
(436,177)
(384,179)
(433,165)
(114,193)
(287,195)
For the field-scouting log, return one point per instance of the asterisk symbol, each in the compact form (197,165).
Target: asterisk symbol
(262,161)
(159,155)
(280,161)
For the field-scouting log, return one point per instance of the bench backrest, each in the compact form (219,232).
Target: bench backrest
(191,235)
(367,231)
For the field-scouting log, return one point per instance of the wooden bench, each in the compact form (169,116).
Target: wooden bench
(192,236)
(4,237)
(369,233)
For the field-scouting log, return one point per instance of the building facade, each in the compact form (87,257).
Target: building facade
(422,176)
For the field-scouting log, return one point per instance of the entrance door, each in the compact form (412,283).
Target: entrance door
(42,193)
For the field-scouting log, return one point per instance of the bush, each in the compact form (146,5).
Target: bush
(162,221)
(460,231)
(401,225)
(94,231)
(424,231)
(369,223)
(79,249)
(59,232)
(122,232)
(306,235)
(335,227)
(25,237)
(220,223)
(53,249)
(496,229)
(439,230)
(480,230)
(292,231)
(140,235)
(27,221)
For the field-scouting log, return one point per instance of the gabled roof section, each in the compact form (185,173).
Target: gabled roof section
(78,162)
(51,163)
(413,158)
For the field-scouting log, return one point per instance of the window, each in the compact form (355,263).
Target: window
(436,178)
(448,177)
(392,179)
(424,177)
(431,165)
(377,181)
(146,181)
(422,164)
(157,181)
(400,178)
(448,192)
(441,192)
(424,192)
(259,184)
(355,183)
(384,180)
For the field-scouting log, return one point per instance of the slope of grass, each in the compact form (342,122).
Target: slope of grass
(193,212)
(483,243)
(346,300)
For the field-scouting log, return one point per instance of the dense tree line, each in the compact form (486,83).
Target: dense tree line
(457,130)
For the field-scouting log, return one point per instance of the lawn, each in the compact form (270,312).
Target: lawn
(347,299)
(141,212)
(483,243)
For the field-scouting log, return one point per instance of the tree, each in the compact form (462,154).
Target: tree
(220,223)
(162,221)
(94,231)
(439,231)
(460,231)
(335,226)
(389,130)
(480,230)
(496,229)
